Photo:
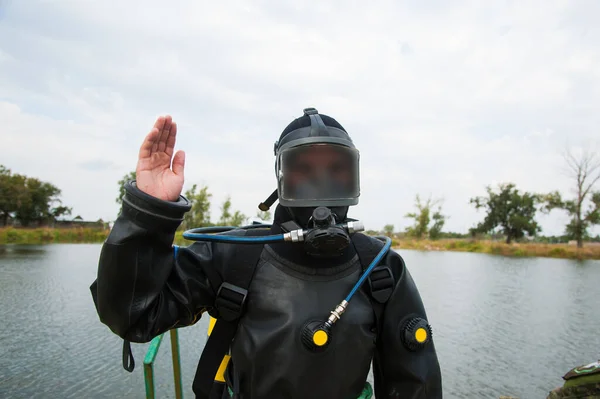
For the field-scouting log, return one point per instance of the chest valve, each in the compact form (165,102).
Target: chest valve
(416,334)
(315,336)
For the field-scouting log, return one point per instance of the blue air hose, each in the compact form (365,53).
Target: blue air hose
(361,280)
(234,239)
(209,234)
(212,234)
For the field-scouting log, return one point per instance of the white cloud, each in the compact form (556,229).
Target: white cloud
(441,99)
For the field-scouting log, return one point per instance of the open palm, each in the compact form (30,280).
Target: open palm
(154,173)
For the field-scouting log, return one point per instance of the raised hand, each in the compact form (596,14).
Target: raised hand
(154,175)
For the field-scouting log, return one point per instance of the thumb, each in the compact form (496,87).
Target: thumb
(179,163)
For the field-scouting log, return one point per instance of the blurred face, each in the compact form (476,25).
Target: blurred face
(320,162)
(320,172)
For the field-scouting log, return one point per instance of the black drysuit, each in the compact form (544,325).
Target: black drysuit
(144,288)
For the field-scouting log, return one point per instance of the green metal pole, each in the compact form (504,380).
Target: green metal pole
(176,364)
(149,380)
(148,365)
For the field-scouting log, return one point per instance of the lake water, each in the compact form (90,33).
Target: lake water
(502,326)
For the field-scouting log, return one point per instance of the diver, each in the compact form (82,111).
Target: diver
(303,307)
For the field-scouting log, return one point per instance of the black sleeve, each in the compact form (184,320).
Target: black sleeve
(145,285)
(399,372)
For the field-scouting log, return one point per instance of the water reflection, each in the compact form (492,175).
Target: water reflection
(20,250)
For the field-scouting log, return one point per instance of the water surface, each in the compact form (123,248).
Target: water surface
(502,326)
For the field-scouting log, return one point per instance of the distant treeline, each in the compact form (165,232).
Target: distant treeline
(509,213)
(542,239)
(28,201)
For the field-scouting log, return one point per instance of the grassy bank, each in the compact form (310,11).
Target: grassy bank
(589,251)
(47,235)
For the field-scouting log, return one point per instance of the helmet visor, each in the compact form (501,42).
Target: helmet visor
(318,172)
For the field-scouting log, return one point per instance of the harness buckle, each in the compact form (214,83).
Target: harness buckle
(230,301)
(381,283)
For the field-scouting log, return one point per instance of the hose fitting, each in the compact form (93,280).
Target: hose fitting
(336,314)
(294,236)
(354,227)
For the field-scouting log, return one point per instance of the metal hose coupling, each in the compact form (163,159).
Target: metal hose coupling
(294,236)
(299,235)
(355,226)
(336,314)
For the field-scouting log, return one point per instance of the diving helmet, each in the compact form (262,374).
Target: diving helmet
(316,165)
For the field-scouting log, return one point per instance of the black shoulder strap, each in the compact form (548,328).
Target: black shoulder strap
(230,305)
(381,282)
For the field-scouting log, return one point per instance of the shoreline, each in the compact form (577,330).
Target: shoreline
(590,251)
(83,235)
(52,235)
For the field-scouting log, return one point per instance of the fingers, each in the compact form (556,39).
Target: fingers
(148,143)
(160,124)
(179,163)
(164,135)
(161,138)
(171,139)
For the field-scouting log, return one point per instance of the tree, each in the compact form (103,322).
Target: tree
(128,177)
(439,220)
(508,209)
(225,212)
(40,203)
(585,171)
(237,219)
(28,199)
(263,215)
(422,218)
(199,214)
(227,219)
(388,229)
(12,193)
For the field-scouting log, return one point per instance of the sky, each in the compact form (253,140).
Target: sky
(442,98)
